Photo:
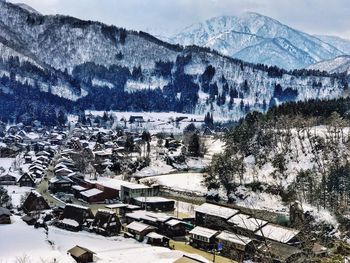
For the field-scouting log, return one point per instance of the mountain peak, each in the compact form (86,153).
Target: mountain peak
(247,35)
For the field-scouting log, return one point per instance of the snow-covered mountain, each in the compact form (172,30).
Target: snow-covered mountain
(109,68)
(340,43)
(338,65)
(258,39)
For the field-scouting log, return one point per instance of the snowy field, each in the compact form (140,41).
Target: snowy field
(183,182)
(37,246)
(6,163)
(156,122)
(16,193)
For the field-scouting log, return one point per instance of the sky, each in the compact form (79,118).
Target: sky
(167,17)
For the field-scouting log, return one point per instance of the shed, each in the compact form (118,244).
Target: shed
(5,216)
(81,254)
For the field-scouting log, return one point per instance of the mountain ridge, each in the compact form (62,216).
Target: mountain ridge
(260,28)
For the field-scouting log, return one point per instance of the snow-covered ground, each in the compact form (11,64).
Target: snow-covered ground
(16,193)
(38,246)
(6,163)
(183,182)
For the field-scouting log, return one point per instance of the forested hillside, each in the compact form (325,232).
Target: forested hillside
(298,151)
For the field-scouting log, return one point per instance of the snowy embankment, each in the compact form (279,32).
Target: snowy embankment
(35,245)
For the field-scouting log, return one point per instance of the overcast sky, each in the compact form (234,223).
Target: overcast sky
(169,16)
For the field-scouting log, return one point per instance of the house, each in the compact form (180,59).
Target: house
(156,239)
(8,179)
(75,217)
(34,202)
(92,195)
(26,180)
(130,191)
(136,119)
(214,216)
(245,225)
(175,228)
(279,234)
(154,203)
(204,238)
(106,223)
(60,184)
(235,246)
(29,220)
(139,230)
(81,254)
(5,216)
(157,220)
(278,253)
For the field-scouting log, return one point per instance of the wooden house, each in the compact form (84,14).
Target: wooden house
(106,223)
(26,180)
(139,230)
(8,179)
(28,220)
(154,203)
(214,216)
(278,234)
(130,191)
(204,238)
(60,184)
(81,254)
(175,228)
(75,217)
(245,225)
(234,246)
(278,253)
(156,239)
(34,202)
(157,220)
(5,216)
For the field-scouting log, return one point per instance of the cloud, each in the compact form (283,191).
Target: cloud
(169,16)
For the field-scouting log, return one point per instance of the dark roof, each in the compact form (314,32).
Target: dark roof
(77,213)
(4,211)
(34,202)
(103,218)
(78,251)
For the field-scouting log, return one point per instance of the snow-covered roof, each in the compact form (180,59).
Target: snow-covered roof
(204,232)
(173,222)
(106,211)
(247,222)
(113,206)
(91,192)
(277,233)
(154,235)
(137,226)
(234,238)
(78,188)
(152,199)
(216,210)
(70,222)
(78,206)
(149,216)
(135,186)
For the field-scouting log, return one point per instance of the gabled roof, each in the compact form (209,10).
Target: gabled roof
(204,232)
(234,238)
(139,227)
(216,210)
(277,233)
(247,222)
(78,251)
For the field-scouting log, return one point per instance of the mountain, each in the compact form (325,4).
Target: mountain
(77,65)
(258,39)
(338,65)
(340,43)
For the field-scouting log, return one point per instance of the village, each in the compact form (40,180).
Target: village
(95,175)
